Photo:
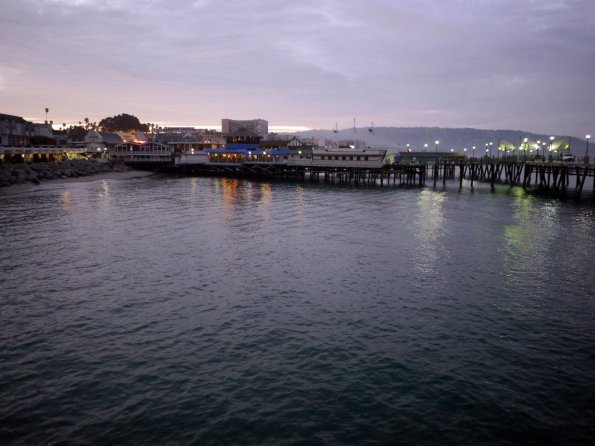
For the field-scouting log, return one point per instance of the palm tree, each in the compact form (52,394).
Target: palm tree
(46,114)
(86,123)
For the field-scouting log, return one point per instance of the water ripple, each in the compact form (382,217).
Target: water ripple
(220,311)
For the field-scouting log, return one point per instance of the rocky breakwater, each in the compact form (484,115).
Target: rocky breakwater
(37,172)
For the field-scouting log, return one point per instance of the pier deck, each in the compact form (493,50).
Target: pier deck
(556,178)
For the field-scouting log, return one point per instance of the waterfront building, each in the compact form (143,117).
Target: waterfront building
(186,139)
(260,127)
(243,138)
(44,132)
(292,146)
(98,142)
(142,153)
(15,131)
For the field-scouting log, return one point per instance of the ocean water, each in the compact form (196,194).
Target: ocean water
(205,311)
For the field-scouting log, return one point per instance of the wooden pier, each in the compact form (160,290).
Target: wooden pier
(558,179)
(413,175)
(554,178)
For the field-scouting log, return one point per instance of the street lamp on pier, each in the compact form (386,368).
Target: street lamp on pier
(538,146)
(473,152)
(436,146)
(588,137)
(425,147)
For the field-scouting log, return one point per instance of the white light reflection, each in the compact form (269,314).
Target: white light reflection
(105,199)
(528,239)
(66,202)
(429,226)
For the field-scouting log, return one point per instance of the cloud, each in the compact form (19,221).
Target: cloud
(309,63)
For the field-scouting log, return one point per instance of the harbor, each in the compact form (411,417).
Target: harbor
(246,149)
(297,223)
(365,166)
(348,166)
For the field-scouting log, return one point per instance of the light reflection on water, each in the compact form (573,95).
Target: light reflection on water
(428,229)
(66,202)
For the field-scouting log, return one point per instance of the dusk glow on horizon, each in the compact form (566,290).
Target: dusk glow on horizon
(506,64)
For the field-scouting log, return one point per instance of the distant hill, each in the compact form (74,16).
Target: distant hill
(397,138)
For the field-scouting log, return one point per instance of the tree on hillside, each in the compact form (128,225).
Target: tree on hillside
(123,123)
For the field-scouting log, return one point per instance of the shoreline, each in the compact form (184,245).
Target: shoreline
(105,175)
(121,175)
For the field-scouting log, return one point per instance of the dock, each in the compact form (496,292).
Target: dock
(559,179)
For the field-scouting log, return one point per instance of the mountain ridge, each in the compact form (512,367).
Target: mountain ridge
(456,139)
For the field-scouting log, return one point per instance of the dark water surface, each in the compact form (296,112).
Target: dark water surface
(218,311)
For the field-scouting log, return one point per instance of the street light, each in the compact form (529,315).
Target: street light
(436,147)
(538,146)
(425,147)
(587,151)
(473,152)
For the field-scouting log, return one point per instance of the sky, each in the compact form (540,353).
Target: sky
(489,64)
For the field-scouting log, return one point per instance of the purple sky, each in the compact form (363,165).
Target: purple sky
(494,64)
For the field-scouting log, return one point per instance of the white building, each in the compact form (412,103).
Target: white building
(96,141)
(259,127)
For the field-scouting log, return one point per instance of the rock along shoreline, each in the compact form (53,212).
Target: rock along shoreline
(35,173)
